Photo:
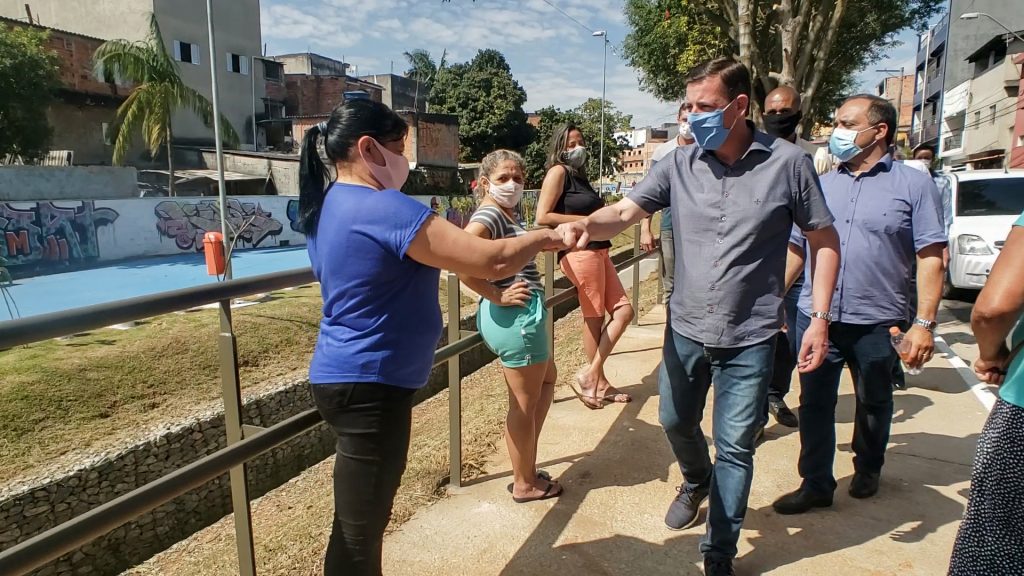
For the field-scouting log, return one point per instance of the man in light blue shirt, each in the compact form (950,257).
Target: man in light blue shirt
(888,217)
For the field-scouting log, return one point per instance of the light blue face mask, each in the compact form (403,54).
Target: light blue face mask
(709,129)
(843,143)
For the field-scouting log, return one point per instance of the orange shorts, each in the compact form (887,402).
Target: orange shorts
(594,275)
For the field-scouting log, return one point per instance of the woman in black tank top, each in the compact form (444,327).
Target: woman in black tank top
(567,196)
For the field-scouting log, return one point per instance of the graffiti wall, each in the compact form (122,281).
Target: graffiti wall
(56,233)
(44,237)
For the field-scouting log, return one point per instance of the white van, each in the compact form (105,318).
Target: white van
(986,203)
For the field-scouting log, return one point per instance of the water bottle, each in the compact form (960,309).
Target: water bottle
(902,347)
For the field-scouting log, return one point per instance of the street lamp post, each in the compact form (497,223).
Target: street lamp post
(899,97)
(603,34)
(975,15)
(219,146)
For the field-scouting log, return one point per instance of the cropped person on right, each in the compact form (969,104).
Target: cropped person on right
(991,536)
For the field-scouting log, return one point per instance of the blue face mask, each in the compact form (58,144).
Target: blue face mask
(709,129)
(843,143)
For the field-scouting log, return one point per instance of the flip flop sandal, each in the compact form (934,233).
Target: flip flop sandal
(616,396)
(548,493)
(592,402)
(541,475)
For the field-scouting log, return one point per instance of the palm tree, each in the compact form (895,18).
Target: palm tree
(158,93)
(423,70)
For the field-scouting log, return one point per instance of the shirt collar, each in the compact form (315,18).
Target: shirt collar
(884,164)
(761,141)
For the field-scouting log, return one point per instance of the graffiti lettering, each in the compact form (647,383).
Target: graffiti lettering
(293,215)
(187,222)
(49,233)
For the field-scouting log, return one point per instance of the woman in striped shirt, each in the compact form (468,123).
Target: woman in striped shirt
(513,322)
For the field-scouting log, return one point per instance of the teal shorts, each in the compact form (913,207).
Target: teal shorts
(517,334)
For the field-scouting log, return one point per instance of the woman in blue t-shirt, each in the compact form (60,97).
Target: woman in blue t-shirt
(991,537)
(377,255)
(513,322)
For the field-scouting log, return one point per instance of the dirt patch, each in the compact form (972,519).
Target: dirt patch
(291,524)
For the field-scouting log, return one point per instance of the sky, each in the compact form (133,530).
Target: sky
(552,55)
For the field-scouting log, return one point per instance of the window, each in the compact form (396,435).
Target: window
(993,197)
(185,52)
(992,114)
(977,117)
(238,64)
(272,71)
(1020,141)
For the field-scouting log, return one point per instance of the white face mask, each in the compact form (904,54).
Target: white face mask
(507,195)
(685,132)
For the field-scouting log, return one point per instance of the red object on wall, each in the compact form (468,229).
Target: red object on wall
(213,247)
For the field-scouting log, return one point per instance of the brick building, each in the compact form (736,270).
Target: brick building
(85,109)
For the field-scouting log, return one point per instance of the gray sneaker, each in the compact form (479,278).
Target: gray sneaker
(683,511)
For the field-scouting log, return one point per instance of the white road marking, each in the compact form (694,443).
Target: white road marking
(980,389)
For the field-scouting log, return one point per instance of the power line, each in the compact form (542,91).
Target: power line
(567,15)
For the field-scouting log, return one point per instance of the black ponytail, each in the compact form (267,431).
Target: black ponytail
(347,123)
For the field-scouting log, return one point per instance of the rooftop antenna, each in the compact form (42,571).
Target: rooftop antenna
(28,10)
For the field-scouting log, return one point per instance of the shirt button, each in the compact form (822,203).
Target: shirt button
(714,264)
(711,308)
(726,194)
(723,218)
(847,221)
(720,240)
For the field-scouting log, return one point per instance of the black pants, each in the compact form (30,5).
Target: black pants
(870,356)
(786,348)
(372,423)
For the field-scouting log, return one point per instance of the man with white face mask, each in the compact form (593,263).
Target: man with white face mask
(667,256)
(887,215)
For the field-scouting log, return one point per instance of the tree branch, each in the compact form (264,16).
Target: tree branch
(823,52)
(810,43)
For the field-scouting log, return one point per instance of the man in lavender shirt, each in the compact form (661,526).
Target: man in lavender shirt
(888,215)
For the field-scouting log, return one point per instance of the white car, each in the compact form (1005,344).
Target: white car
(985,203)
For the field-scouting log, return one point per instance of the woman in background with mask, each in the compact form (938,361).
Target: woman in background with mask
(513,322)
(376,253)
(567,196)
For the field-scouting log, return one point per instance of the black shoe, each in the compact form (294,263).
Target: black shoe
(759,436)
(683,511)
(801,501)
(783,415)
(718,566)
(864,485)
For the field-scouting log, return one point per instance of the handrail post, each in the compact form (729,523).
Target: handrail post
(636,275)
(231,390)
(549,291)
(454,385)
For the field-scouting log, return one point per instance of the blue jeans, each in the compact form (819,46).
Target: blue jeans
(870,355)
(741,378)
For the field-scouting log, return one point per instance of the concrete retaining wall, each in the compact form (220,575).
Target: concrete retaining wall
(35,183)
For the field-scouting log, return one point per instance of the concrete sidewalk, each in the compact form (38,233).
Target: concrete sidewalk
(619,477)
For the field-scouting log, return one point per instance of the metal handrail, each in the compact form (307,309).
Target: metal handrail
(45,326)
(68,536)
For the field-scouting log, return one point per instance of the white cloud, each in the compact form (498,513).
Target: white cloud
(554,58)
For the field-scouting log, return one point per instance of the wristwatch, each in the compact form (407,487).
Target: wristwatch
(826,316)
(928,325)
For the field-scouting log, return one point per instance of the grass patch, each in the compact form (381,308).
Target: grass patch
(66,399)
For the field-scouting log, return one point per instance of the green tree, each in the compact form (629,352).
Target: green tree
(816,46)
(29,74)
(587,117)
(423,69)
(488,101)
(158,93)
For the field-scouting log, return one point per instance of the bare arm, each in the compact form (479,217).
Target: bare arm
(998,307)
(443,245)
(824,245)
(603,224)
(646,236)
(930,270)
(794,264)
(550,192)
(517,294)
